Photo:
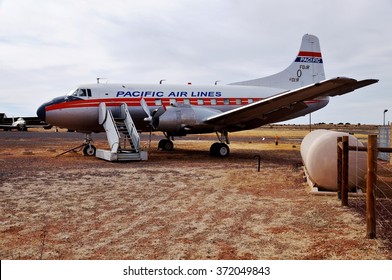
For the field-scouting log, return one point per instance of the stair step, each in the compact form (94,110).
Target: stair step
(123,142)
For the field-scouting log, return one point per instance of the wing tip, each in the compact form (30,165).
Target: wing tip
(350,84)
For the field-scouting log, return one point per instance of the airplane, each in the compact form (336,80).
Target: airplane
(21,123)
(179,110)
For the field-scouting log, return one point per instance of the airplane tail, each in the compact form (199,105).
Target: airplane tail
(306,69)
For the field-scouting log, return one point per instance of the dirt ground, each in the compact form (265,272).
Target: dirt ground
(182,204)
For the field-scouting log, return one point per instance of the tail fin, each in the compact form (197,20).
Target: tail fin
(306,69)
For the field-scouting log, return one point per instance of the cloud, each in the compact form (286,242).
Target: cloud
(48,47)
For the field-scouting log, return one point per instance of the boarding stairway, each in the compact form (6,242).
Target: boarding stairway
(123,138)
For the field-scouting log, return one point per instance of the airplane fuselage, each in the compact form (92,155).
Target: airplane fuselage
(79,109)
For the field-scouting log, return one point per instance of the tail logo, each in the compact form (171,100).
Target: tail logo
(309,57)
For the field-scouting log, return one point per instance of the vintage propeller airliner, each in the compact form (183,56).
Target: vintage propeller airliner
(178,110)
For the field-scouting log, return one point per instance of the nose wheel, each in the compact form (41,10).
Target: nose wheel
(87,147)
(89,150)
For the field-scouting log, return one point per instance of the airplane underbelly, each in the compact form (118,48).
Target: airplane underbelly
(75,118)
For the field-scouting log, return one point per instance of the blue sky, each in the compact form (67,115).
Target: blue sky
(49,47)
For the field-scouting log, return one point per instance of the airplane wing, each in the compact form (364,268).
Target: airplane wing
(271,108)
(7,126)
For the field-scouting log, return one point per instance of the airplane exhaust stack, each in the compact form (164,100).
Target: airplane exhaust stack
(319,154)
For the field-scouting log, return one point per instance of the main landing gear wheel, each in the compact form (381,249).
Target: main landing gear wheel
(165,145)
(89,150)
(219,150)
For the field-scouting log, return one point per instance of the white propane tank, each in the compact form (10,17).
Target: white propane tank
(319,154)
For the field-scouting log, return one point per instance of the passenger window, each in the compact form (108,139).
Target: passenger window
(250,100)
(213,101)
(187,101)
(158,102)
(226,101)
(238,101)
(200,102)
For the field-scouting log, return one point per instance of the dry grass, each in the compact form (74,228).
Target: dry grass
(179,205)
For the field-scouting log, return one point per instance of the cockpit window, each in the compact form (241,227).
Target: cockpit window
(73,92)
(80,92)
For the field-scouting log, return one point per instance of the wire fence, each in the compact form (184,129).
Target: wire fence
(382,190)
(383,193)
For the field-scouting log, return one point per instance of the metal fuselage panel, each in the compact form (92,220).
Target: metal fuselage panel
(81,112)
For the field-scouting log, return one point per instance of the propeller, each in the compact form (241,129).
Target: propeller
(151,118)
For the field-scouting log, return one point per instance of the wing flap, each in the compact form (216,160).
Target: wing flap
(286,100)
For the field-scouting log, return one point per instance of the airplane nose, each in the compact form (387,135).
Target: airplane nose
(41,112)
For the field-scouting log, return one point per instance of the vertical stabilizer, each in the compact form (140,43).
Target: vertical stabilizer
(306,69)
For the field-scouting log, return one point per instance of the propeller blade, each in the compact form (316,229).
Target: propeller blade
(158,112)
(144,105)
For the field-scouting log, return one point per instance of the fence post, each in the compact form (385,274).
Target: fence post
(345,171)
(370,184)
(339,173)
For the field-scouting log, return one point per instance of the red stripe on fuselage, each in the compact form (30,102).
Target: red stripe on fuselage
(112,102)
(150,102)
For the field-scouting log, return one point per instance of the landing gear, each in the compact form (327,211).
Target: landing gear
(88,148)
(21,127)
(165,145)
(218,149)
(221,149)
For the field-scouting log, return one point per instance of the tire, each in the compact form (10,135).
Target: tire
(165,145)
(214,149)
(89,150)
(219,150)
(223,150)
(169,146)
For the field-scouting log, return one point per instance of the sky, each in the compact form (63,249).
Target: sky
(48,48)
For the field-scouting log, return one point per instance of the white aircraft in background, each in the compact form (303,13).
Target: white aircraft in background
(19,124)
(178,110)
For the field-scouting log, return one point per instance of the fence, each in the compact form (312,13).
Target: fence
(377,207)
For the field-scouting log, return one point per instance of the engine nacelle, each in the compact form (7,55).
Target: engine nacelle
(182,118)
